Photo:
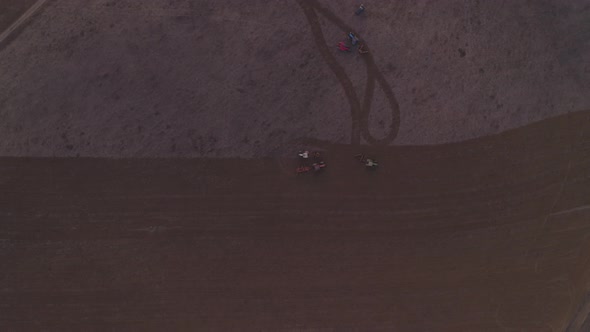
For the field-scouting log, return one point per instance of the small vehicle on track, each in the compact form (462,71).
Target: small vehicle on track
(305,166)
(370,163)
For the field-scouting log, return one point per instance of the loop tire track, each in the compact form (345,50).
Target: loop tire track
(359,111)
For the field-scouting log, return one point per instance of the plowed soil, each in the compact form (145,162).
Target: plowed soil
(483,235)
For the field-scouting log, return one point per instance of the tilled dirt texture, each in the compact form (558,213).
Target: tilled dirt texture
(485,235)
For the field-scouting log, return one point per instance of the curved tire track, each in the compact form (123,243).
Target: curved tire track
(359,111)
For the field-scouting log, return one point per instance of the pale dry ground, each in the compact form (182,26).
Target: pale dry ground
(11,10)
(246,78)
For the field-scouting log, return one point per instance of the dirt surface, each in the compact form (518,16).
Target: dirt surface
(484,235)
(11,10)
(250,78)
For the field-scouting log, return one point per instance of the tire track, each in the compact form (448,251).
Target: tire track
(359,111)
(338,70)
(21,20)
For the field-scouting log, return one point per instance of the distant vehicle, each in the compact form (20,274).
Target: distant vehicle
(317,165)
(370,163)
(353,38)
(360,10)
(303,154)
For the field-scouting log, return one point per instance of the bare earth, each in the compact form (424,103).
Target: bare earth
(12,10)
(147,179)
(248,78)
(483,235)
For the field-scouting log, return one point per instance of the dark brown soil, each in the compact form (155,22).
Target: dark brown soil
(484,235)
